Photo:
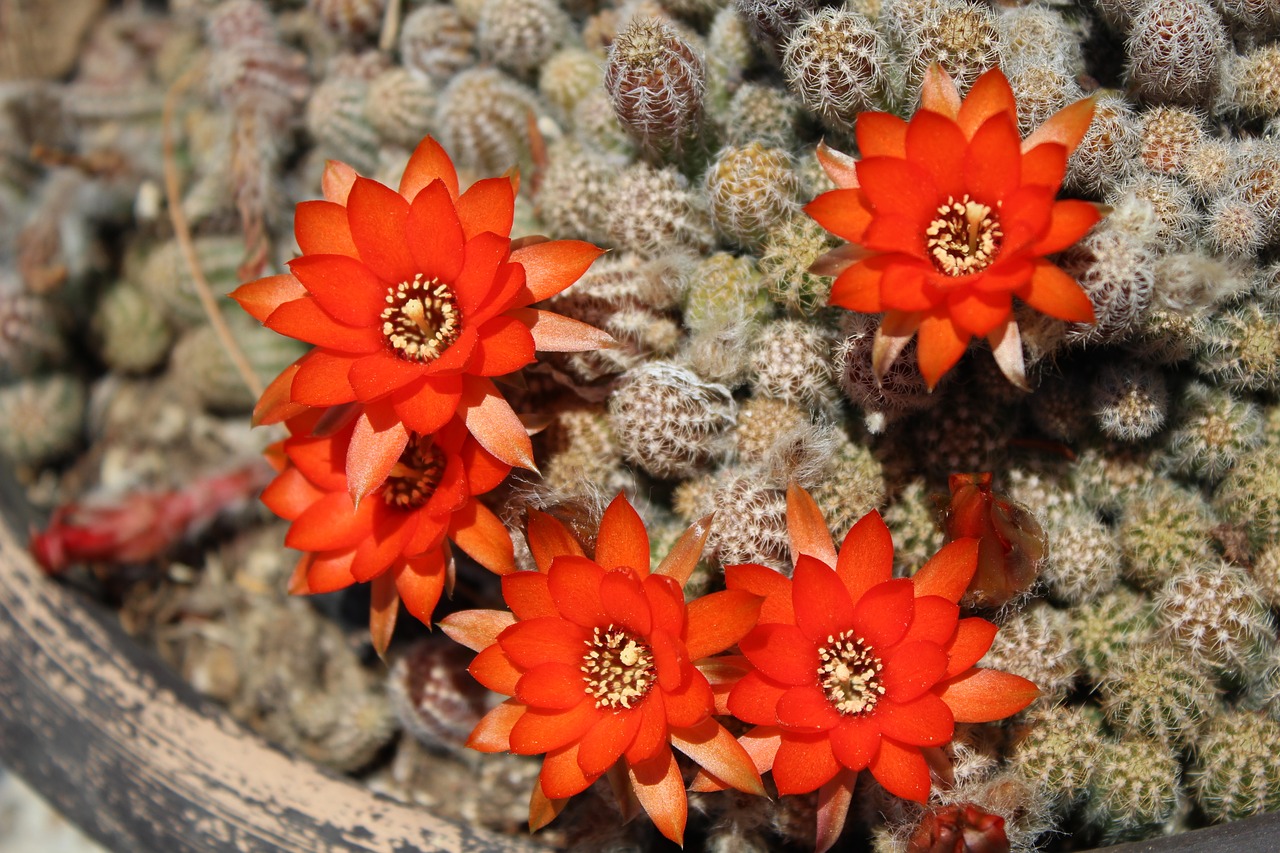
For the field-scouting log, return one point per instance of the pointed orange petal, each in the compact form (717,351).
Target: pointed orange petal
(842,213)
(434,235)
(1051,291)
(276,403)
(838,166)
(623,793)
(374,451)
(833,808)
(986,695)
(993,161)
(543,809)
(493,732)
(321,228)
(804,763)
(937,144)
(989,96)
(973,637)
(622,540)
(557,333)
(298,578)
(552,266)
(487,205)
(866,555)
(421,580)
(713,748)
(858,287)
(719,620)
(1068,221)
(761,743)
(881,135)
(902,770)
(378,216)
(939,93)
(476,629)
(263,296)
(548,539)
(939,346)
(1066,127)
(1044,165)
(807,528)
(948,572)
(337,180)
(384,604)
(561,776)
(476,530)
(976,313)
(683,557)
(490,418)
(427,163)
(769,583)
(660,789)
(330,572)
(1006,347)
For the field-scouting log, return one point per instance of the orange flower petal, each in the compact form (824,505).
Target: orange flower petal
(924,721)
(754,699)
(385,544)
(713,748)
(321,379)
(985,695)
(419,582)
(380,373)
(374,450)
(910,669)
(880,135)
(973,637)
(683,557)
(719,620)
(547,731)
(433,235)
(493,669)
(1025,219)
(934,621)
(1044,166)
(289,495)
(493,732)
(989,96)
(855,742)
(807,529)
(330,572)
(652,735)
(782,652)
(488,205)
(483,255)
(803,763)
(1066,127)
(303,320)
(840,167)
(476,530)
(490,419)
(336,181)
(264,295)
(484,471)
(906,286)
(575,588)
(345,288)
(666,603)
(689,705)
(898,187)
(476,629)
(531,642)
(671,660)
(457,357)
(993,160)
(378,216)
(427,406)
(552,686)
(557,333)
(428,163)
(1068,222)
(806,709)
(625,604)
(561,776)
(321,228)
(938,93)
(948,572)
(1051,291)
(329,524)
(866,555)
(660,789)
(936,143)
(858,287)
(834,798)
(939,346)
(548,539)
(602,745)
(902,770)
(773,586)
(506,293)
(528,596)
(551,266)
(883,613)
(542,809)
(842,213)
(976,312)
(505,345)
(822,604)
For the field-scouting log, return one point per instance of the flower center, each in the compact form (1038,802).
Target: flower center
(421,319)
(964,238)
(414,477)
(617,668)
(849,673)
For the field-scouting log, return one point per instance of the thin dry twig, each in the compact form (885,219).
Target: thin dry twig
(390,26)
(182,232)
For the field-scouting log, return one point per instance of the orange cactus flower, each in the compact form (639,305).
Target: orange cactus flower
(850,668)
(413,300)
(395,537)
(601,659)
(1012,545)
(949,216)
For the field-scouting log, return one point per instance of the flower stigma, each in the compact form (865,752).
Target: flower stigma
(617,668)
(964,238)
(421,319)
(849,674)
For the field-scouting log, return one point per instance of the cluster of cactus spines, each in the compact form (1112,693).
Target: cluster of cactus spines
(41,419)
(1110,474)
(1155,691)
(1210,167)
(1035,642)
(1256,180)
(1130,400)
(763,114)
(201,366)
(1104,629)
(849,484)
(1177,218)
(962,37)
(1234,227)
(582,453)
(483,119)
(771,22)
(1176,49)
(131,331)
(1215,430)
(723,290)
(573,199)
(250,67)
(791,363)
(749,189)
(837,63)
(566,78)
(751,521)
(519,35)
(1169,135)
(1117,272)
(912,515)
(1242,347)
(400,106)
(1041,90)
(1060,410)
(165,278)
(1057,748)
(1133,790)
(1216,614)
(1266,573)
(668,420)
(1108,152)
(1169,336)
(654,210)
(900,391)
(432,698)
(656,81)
(1162,530)
(1039,35)
(763,423)
(1235,774)
(30,340)
(336,118)
(1084,557)
(1249,496)
(976,441)
(1252,82)
(790,249)
(436,41)
(355,20)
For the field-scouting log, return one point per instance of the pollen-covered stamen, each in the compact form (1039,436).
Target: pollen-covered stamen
(617,668)
(964,238)
(416,474)
(849,672)
(421,319)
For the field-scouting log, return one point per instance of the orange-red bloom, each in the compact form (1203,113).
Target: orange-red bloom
(850,668)
(413,299)
(395,537)
(951,215)
(600,659)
